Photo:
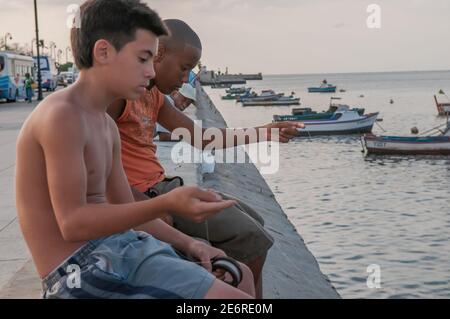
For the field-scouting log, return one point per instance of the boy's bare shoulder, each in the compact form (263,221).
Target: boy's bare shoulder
(58,113)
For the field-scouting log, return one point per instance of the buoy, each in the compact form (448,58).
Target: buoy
(414,130)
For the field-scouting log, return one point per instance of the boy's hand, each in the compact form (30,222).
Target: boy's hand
(203,253)
(195,203)
(286,131)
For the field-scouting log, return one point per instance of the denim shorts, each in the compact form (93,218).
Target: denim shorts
(131,265)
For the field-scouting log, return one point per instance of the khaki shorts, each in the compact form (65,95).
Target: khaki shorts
(238,230)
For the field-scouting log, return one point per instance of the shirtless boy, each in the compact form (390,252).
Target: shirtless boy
(73,200)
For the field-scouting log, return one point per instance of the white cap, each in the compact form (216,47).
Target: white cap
(188,91)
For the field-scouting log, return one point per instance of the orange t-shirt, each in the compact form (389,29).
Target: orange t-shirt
(136,127)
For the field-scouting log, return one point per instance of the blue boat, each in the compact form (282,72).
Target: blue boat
(328,89)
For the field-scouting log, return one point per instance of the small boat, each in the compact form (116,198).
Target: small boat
(239,90)
(282,101)
(443,108)
(221,86)
(407,145)
(302,111)
(237,97)
(343,121)
(306,114)
(266,95)
(323,88)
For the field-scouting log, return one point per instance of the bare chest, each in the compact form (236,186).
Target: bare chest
(98,157)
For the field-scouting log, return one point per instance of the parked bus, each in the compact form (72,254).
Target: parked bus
(13,68)
(49,73)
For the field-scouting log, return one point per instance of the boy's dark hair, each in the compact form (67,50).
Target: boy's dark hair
(181,34)
(113,20)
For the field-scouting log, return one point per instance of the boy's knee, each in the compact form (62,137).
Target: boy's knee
(257,237)
(247,274)
(247,243)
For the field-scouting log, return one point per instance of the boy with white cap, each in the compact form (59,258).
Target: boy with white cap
(181,99)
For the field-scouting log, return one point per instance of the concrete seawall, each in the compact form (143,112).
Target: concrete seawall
(291,270)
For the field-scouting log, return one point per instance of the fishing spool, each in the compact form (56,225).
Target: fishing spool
(230,266)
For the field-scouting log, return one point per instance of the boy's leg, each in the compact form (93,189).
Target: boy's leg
(231,230)
(238,234)
(237,230)
(135,265)
(30,95)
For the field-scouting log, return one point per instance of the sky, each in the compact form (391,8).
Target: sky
(282,36)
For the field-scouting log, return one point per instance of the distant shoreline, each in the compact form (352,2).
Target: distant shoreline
(354,73)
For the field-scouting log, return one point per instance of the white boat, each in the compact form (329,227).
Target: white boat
(408,145)
(344,121)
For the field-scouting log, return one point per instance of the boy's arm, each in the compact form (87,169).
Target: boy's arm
(62,140)
(166,137)
(171,118)
(119,192)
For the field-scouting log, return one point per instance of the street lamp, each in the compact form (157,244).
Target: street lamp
(40,97)
(60,52)
(52,48)
(32,50)
(8,35)
(67,55)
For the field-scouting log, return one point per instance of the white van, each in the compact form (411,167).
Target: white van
(49,73)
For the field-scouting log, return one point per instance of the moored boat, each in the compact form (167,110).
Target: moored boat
(266,95)
(341,123)
(237,97)
(238,90)
(307,114)
(323,88)
(281,101)
(221,86)
(407,145)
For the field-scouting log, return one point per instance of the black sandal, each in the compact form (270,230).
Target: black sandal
(230,266)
